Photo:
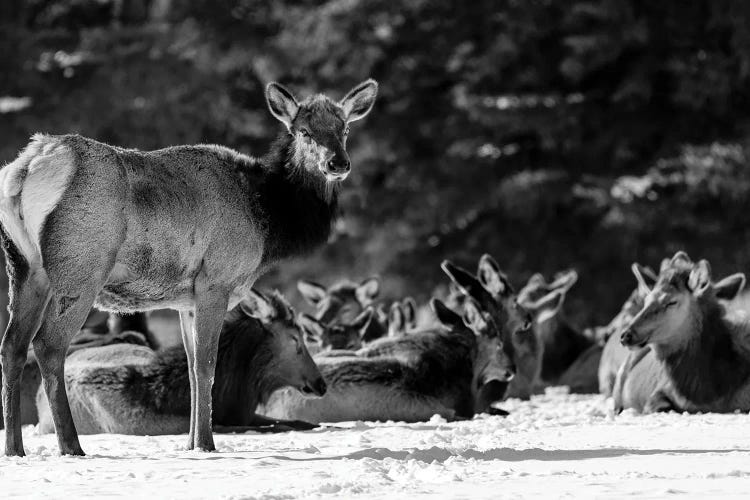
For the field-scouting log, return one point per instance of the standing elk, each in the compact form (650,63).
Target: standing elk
(410,378)
(188,228)
(697,357)
(127,389)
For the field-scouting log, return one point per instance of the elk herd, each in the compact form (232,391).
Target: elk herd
(190,228)
(679,343)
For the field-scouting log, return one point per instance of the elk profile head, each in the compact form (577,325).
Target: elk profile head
(293,364)
(672,308)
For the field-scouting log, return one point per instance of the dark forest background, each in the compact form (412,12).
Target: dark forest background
(585,134)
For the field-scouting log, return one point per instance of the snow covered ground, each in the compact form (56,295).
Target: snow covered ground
(556,445)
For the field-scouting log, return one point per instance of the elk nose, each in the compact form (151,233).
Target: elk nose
(320,387)
(337,165)
(627,337)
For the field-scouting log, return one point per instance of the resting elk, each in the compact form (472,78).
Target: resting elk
(131,389)
(697,356)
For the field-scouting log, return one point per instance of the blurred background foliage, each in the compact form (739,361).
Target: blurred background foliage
(585,134)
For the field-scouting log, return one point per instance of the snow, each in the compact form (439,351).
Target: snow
(556,445)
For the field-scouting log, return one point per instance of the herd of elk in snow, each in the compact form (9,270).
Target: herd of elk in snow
(191,228)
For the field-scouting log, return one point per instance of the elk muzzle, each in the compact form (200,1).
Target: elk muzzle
(317,387)
(504,374)
(339,166)
(631,338)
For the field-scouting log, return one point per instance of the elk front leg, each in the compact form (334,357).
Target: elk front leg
(210,307)
(658,402)
(187,327)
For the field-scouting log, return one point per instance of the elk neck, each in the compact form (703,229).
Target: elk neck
(707,365)
(244,368)
(297,204)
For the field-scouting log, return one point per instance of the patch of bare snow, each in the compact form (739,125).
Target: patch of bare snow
(554,445)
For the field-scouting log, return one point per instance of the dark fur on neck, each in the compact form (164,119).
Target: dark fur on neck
(244,377)
(562,346)
(297,204)
(709,366)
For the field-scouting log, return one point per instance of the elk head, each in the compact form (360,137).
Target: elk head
(293,365)
(319,126)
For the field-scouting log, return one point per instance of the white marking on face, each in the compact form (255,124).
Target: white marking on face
(310,154)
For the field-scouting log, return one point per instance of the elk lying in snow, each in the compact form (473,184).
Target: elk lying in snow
(341,311)
(495,294)
(698,355)
(331,339)
(614,353)
(341,302)
(344,303)
(125,389)
(188,228)
(438,372)
(561,343)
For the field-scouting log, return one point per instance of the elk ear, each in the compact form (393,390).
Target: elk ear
(680,257)
(565,280)
(367,291)
(312,292)
(643,288)
(473,317)
(362,322)
(548,306)
(536,280)
(445,315)
(700,278)
(396,320)
(410,312)
(649,276)
(281,103)
(314,329)
(664,265)
(358,102)
(258,306)
(465,281)
(729,287)
(492,278)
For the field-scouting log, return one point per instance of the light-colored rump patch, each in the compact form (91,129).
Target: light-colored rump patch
(30,188)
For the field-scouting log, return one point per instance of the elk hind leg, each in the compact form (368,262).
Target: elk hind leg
(30,294)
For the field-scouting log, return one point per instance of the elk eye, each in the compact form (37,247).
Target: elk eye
(305,133)
(670,304)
